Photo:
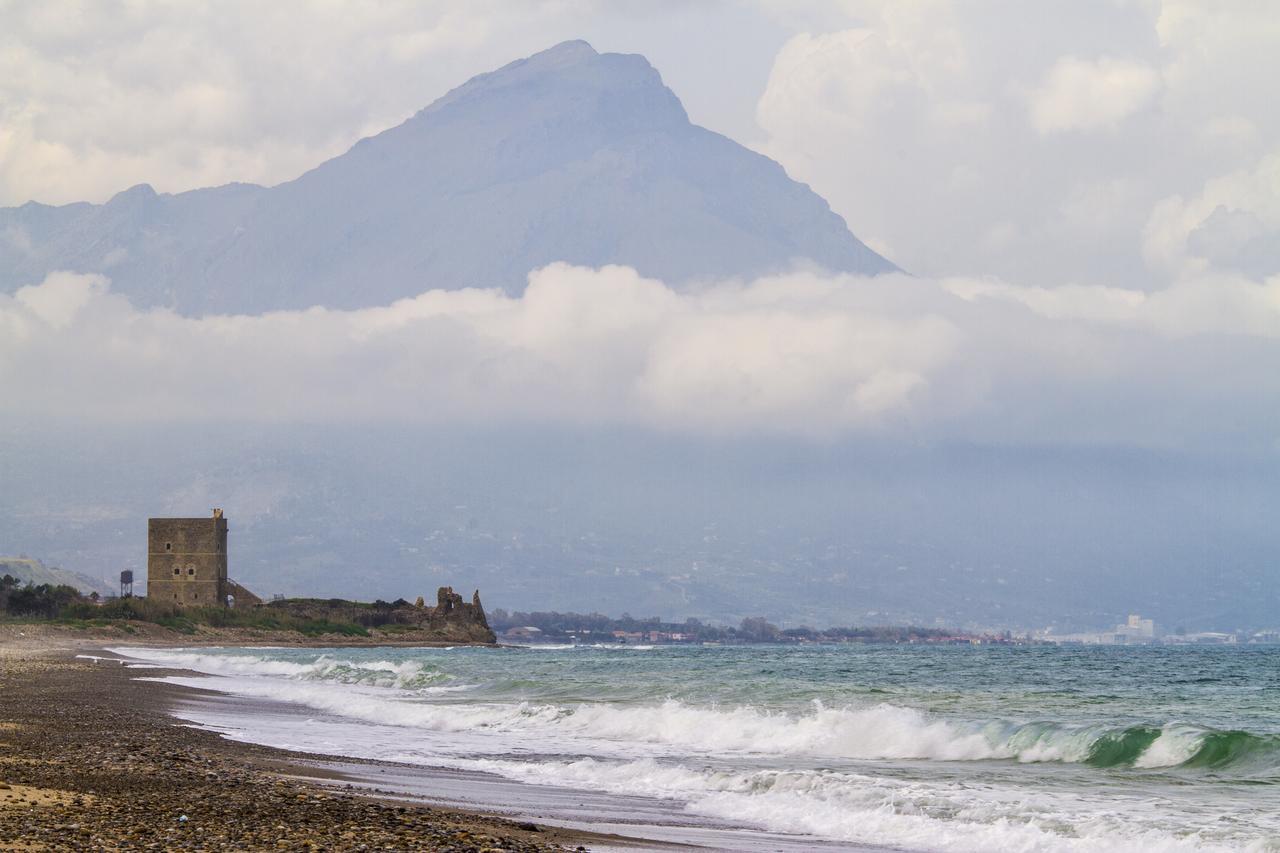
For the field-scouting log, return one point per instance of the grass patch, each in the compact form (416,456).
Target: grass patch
(316,627)
(126,613)
(398,628)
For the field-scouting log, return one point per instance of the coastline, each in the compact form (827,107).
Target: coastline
(34,637)
(92,758)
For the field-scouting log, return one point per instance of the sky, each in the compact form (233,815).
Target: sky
(1117,143)
(1086,196)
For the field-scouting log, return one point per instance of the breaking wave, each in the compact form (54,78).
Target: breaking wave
(876,732)
(868,810)
(405,675)
(842,772)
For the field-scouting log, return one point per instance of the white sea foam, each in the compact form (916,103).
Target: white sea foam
(881,732)
(877,732)
(864,809)
(1175,745)
(847,806)
(746,765)
(404,674)
(620,647)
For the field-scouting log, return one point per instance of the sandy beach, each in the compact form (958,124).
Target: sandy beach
(89,759)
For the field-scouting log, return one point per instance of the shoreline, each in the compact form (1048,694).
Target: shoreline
(38,636)
(625,821)
(91,757)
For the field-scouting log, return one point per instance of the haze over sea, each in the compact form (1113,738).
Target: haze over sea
(910,747)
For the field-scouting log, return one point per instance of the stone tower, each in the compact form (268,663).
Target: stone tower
(187,560)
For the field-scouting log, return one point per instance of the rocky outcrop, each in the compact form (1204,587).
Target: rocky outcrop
(453,619)
(453,613)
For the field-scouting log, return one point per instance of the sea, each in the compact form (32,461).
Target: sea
(1032,748)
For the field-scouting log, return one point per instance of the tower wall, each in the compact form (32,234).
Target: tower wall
(187,560)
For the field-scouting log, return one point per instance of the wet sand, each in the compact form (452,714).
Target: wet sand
(619,820)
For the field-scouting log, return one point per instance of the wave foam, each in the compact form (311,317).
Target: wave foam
(405,674)
(722,762)
(879,732)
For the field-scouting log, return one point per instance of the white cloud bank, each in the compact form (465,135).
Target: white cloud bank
(1043,144)
(800,354)
(1084,95)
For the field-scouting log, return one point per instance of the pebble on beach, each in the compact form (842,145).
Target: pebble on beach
(89,760)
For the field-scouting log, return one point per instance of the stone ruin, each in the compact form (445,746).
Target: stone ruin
(453,618)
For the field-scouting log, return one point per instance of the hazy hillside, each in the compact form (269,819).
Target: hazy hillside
(568,155)
(849,533)
(28,570)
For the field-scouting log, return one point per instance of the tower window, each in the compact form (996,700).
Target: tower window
(177,570)
(168,546)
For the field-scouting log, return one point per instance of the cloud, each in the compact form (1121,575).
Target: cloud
(1012,140)
(1083,95)
(60,299)
(1233,222)
(803,354)
(912,119)
(97,97)
(1197,306)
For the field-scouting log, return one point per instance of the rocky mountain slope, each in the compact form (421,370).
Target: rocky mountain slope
(568,155)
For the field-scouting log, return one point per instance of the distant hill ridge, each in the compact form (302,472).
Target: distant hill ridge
(33,571)
(568,155)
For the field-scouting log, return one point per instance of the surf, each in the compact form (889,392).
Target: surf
(881,731)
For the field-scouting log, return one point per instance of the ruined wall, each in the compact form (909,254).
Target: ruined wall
(453,618)
(454,615)
(187,560)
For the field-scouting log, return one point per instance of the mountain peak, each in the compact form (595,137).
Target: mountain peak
(137,192)
(572,73)
(567,155)
(573,50)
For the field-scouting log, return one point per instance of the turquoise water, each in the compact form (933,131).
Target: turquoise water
(947,748)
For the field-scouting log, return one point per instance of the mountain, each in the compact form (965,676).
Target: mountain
(568,155)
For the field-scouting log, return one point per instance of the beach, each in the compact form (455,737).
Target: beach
(779,747)
(90,759)
(625,747)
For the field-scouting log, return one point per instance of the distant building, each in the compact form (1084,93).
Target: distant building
(187,563)
(1141,627)
(1136,630)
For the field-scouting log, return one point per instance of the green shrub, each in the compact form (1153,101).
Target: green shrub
(316,627)
(66,606)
